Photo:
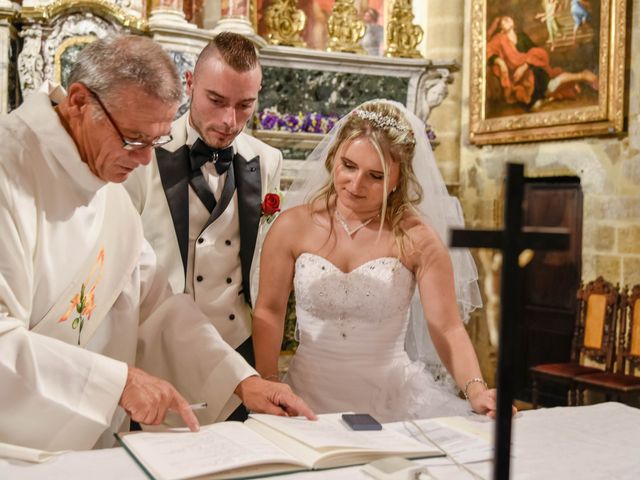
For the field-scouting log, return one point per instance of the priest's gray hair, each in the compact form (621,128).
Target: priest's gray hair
(109,66)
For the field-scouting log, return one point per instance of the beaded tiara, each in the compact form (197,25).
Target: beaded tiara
(380,120)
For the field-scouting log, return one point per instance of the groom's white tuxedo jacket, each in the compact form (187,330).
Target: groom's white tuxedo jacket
(220,246)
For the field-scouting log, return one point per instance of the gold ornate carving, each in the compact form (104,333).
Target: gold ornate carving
(605,117)
(100,7)
(284,22)
(345,28)
(253,14)
(403,36)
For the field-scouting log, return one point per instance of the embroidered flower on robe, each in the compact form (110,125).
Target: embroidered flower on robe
(83,303)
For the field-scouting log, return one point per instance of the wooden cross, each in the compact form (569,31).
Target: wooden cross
(512,240)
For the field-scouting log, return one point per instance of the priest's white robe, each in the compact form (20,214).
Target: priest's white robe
(56,395)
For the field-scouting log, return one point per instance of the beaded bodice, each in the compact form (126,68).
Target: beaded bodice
(351,312)
(351,356)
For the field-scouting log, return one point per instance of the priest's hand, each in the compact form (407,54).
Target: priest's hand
(276,398)
(484,402)
(147,398)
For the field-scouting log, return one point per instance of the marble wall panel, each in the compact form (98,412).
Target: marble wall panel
(291,90)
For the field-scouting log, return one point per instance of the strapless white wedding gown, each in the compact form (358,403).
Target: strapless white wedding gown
(351,355)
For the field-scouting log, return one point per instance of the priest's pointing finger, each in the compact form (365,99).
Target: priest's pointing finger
(147,398)
(181,406)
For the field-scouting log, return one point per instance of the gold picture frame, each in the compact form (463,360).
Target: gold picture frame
(66,55)
(572,81)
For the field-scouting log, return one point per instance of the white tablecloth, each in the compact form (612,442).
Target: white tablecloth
(593,442)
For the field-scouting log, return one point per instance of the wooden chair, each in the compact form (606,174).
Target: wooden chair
(593,339)
(624,382)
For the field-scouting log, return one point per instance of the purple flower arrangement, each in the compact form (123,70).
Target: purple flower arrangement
(310,122)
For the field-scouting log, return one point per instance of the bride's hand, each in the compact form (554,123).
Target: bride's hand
(484,402)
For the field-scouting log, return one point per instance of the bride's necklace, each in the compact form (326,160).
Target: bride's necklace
(351,231)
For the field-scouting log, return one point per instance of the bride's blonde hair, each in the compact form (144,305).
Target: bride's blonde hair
(384,125)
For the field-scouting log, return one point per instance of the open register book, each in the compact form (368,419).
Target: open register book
(263,445)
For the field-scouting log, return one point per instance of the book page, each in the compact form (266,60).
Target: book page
(179,453)
(329,431)
(336,445)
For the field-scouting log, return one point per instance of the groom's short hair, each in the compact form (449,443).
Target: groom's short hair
(237,51)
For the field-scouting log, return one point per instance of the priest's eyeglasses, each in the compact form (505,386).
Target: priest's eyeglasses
(126,143)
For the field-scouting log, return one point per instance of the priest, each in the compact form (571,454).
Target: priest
(90,333)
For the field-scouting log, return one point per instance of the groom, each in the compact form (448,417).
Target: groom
(200,199)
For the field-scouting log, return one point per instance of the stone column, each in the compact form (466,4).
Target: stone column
(235,17)
(211,13)
(167,13)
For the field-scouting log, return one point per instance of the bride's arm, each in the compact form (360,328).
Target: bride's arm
(434,274)
(276,274)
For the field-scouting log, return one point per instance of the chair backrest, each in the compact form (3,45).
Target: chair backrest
(594,334)
(628,360)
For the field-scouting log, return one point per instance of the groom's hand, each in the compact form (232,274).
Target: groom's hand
(262,396)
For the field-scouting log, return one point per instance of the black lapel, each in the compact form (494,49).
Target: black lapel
(174,172)
(249,188)
(225,197)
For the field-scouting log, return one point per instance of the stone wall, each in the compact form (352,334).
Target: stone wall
(443,24)
(444,27)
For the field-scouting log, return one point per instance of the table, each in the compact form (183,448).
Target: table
(591,442)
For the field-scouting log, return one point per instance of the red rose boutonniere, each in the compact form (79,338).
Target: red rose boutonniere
(271,205)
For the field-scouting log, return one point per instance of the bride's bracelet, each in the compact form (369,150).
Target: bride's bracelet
(468,384)
(273,377)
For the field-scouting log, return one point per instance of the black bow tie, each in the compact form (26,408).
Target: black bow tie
(202,153)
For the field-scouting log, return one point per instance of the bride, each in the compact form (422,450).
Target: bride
(354,251)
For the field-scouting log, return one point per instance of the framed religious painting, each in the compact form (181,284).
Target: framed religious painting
(546,69)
